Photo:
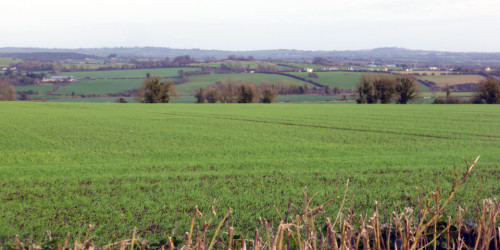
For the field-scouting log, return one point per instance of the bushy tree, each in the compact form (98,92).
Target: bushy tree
(156,90)
(200,95)
(7,91)
(328,90)
(384,89)
(246,93)
(228,91)
(366,93)
(212,95)
(121,100)
(406,89)
(268,95)
(374,88)
(489,90)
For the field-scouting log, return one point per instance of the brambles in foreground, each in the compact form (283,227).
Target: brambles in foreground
(300,228)
(155,90)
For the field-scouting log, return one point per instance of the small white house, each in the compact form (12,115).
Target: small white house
(487,69)
(433,68)
(309,70)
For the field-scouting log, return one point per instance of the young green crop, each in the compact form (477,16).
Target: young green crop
(116,166)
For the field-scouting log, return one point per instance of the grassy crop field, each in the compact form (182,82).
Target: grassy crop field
(100,86)
(205,80)
(165,72)
(116,166)
(443,80)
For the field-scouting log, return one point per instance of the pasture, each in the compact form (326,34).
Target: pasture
(36,89)
(444,80)
(116,166)
(100,87)
(130,73)
(341,80)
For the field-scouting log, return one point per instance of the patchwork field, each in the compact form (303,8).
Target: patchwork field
(116,166)
(132,73)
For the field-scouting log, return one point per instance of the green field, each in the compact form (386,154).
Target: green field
(341,80)
(100,87)
(116,166)
(36,89)
(444,80)
(205,80)
(302,65)
(6,61)
(91,99)
(93,65)
(132,73)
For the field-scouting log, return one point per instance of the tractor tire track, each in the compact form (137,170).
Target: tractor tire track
(311,126)
(330,127)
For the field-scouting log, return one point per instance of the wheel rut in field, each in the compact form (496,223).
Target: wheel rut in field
(310,125)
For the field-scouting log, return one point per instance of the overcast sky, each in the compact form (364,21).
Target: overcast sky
(448,25)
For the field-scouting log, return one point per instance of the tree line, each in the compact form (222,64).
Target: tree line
(383,88)
(240,92)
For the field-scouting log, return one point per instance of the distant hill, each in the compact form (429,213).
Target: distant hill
(390,54)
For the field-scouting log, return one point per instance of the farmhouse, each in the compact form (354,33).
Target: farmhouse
(487,69)
(54,79)
(309,70)
(433,68)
